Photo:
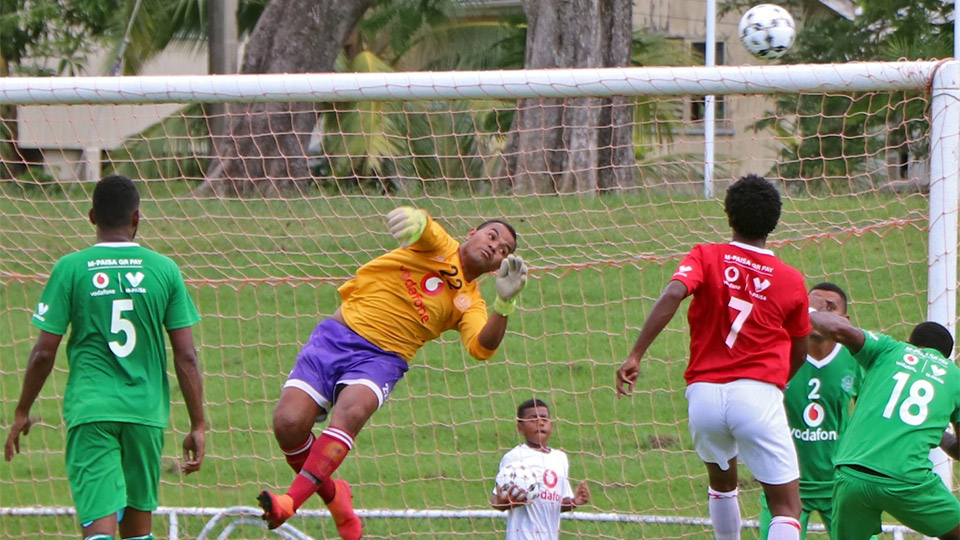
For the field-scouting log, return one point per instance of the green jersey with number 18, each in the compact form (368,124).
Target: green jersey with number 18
(817,400)
(118,299)
(908,397)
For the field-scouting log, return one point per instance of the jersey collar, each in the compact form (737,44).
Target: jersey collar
(819,364)
(748,247)
(116,244)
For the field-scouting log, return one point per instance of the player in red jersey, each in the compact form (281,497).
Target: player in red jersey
(748,326)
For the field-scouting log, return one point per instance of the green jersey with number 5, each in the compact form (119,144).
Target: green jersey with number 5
(119,299)
(908,397)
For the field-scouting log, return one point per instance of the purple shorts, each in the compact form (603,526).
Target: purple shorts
(336,356)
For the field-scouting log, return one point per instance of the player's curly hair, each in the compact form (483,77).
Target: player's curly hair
(753,206)
(932,335)
(115,199)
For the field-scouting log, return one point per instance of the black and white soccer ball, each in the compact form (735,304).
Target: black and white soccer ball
(767,31)
(521,481)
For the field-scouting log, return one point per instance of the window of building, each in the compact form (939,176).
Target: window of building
(697,105)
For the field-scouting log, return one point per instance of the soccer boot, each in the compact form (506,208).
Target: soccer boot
(276,508)
(348,522)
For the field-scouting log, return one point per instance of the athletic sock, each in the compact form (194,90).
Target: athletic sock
(144,537)
(725,514)
(99,537)
(326,454)
(327,490)
(298,455)
(784,528)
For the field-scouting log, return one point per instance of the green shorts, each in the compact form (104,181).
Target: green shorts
(859,498)
(809,506)
(112,466)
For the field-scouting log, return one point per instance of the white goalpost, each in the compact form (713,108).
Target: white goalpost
(868,156)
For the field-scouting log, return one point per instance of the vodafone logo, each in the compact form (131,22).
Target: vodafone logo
(813,415)
(550,478)
(431,285)
(100,280)
(911,359)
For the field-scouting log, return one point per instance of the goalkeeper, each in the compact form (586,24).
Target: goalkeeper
(353,360)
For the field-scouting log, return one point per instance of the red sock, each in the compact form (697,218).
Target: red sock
(326,454)
(298,455)
(327,490)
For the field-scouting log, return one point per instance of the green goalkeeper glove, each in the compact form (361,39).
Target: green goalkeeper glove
(406,224)
(511,277)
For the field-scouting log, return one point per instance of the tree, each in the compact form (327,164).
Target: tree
(831,139)
(581,145)
(264,149)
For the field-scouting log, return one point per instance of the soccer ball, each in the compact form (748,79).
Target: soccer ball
(767,31)
(520,480)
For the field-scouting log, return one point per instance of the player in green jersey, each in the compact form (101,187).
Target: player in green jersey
(910,393)
(817,400)
(118,299)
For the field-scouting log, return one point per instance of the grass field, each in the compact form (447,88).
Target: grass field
(264,272)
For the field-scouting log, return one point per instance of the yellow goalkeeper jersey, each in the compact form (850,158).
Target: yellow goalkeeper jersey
(401,300)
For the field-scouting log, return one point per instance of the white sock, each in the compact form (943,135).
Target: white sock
(725,514)
(784,528)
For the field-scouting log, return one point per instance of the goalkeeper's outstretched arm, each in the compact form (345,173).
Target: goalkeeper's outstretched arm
(511,278)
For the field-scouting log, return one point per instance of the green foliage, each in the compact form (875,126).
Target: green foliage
(474,44)
(833,139)
(884,30)
(41,34)
(400,21)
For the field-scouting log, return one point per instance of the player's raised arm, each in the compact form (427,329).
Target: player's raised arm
(511,278)
(663,310)
(406,224)
(838,329)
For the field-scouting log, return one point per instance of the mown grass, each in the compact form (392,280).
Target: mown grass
(264,272)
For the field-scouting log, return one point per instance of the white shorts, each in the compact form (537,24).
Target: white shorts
(745,418)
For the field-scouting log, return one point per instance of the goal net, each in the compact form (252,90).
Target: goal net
(270,191)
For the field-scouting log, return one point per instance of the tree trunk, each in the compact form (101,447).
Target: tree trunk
(577,145)
(265,147)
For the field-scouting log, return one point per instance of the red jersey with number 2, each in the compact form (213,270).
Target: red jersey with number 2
(747,306)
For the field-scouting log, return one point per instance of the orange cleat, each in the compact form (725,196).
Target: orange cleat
(276,508)
(348,522)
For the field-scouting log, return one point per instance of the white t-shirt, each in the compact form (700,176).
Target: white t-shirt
(540,519)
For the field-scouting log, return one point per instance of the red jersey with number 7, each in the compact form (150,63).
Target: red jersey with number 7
(747,306)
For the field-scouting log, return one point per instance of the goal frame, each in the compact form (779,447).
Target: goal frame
(939,79)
